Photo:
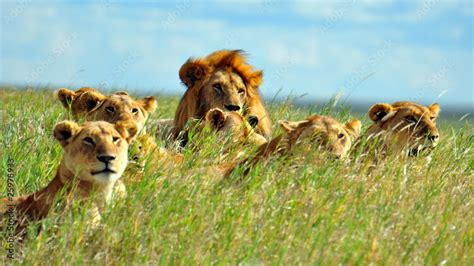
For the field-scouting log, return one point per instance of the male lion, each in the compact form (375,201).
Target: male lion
(404,126)
(222,80)
(95,156)
(315,132)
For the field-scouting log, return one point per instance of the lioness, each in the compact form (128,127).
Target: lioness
(315,132)
(404,126)
(92,105)
(81,101)
(222,80)
(95,156)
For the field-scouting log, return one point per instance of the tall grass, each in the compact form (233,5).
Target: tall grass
(304,210)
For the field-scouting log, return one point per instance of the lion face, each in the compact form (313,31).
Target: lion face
(224,90)
(121,107)
(95,152)
(406,125)
(235,125)
(117,107)
(324,132)
(81,101)
(221,80)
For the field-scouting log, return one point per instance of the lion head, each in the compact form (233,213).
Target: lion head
(92,105)
(95,152)
(81,101)
(233,124)
(222,80)
(405,125)
(324,132)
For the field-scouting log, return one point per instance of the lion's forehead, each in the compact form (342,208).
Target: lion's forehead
(325,125)
(98,129)
(121,101)
(227,78)
(415,110)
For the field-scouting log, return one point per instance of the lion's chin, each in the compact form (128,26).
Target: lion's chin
(105,176)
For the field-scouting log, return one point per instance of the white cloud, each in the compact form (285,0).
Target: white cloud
(297,57)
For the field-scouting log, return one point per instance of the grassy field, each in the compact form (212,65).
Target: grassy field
(307,211)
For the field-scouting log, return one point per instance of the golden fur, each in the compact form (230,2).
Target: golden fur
(95,156)
(90,104)
(325,131)
(404,126)
(80,101)
(232,124)
(222,80)
(113,108)
(315,132)
(145,149)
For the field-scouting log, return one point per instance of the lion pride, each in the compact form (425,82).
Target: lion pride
(222,80)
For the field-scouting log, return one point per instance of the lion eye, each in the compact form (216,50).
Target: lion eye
(88,141)
(91,104)
(115,139)
(217,87)
(241,91)
(135,110)
(411,119)
(340,136)
(110,109)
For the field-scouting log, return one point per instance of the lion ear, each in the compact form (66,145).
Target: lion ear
(255,80)
(65,131)
(193,71)
(353,127)
(127,129)
(434,108)
(149,103)
(290,126)
(65,96)
(379,112)
(216,117)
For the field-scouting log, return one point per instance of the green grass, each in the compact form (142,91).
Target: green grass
(307,211)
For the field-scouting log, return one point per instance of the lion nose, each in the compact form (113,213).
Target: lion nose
(105,158)
(433,137)
(232,107)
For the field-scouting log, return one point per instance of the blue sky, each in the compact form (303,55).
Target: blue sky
(368,51)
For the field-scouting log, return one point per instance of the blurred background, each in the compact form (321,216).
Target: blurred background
(362,52)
